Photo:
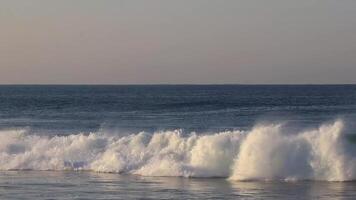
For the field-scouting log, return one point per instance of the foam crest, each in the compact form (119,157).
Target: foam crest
(265,152)
(322,154)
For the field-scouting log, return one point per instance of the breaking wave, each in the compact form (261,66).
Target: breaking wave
(265,152)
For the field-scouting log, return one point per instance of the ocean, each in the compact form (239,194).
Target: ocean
(177,141)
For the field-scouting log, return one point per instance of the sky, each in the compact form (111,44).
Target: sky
(177,42)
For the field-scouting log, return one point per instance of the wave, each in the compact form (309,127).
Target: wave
(266,152)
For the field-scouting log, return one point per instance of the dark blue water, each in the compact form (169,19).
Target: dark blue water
(72,109)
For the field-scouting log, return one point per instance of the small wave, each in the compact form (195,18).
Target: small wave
(265,152)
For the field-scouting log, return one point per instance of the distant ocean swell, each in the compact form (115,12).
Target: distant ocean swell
(263,153)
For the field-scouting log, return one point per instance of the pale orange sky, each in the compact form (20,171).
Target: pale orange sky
(177,41)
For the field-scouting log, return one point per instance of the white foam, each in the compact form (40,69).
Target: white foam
(264,153)
(322,154)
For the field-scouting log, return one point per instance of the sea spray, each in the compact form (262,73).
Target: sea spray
(265,152)
(321,154)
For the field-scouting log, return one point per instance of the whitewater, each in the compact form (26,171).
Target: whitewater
(265,152)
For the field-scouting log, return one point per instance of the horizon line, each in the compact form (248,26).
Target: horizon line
(174,84)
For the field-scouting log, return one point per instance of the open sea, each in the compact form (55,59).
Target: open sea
(178,142)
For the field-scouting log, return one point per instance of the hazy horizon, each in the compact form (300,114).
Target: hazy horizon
(177,42)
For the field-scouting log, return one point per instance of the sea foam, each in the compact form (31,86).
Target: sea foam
(265,152)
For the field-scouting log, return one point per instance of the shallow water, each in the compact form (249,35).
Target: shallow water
(89,185)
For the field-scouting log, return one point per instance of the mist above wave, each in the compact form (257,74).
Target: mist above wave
(265,152)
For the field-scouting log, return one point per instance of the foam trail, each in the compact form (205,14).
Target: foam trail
(264,153)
